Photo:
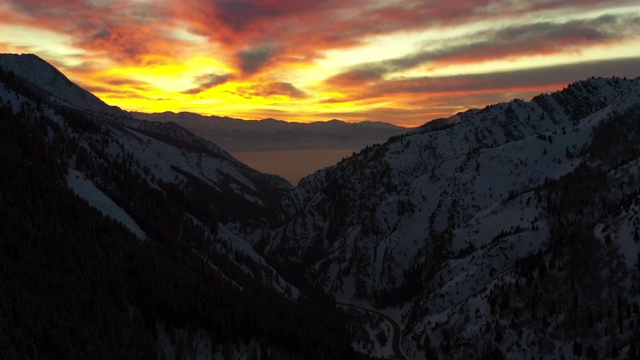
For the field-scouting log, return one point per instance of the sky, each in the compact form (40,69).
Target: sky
(404,62)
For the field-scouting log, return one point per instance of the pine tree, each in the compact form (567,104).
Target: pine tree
(577,348)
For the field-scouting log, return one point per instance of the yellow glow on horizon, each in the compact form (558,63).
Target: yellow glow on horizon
(299,86)
(169,76)
(234,98)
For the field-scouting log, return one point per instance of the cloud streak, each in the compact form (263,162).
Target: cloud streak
(252,60)
(208,81)
(272,90)
(540,38)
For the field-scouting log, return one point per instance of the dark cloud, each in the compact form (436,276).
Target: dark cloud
(416,101)
(272,89)
(122,30)
(208,81)
(101,34)
(538,38)
(525,80)
(257,15)
(247,29)
(252,60)
(359,75)
(555,75)
(238,14)
(605,27)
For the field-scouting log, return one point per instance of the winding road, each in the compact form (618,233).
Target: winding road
(397,331)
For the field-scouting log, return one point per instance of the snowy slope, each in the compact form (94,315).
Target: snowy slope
(82,186)
(165,151)
(162,154)
(121,166)
(392,197)
(436,218)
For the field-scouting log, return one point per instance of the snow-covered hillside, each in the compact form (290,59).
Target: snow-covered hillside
(438,218)
(82,186)
(165,152)
(168,157)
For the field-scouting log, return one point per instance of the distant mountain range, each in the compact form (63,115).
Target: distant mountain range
(237,135)
(505,232)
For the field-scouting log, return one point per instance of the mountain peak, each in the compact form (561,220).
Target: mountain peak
(57,86)
(33,68)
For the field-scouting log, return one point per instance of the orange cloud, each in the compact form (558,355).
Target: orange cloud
(427,98)
(263,53)
(208,81)
(270,90)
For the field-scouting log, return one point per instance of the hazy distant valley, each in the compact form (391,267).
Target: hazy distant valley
(504,232)
(291,150)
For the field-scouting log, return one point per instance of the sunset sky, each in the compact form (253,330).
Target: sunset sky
(404,62)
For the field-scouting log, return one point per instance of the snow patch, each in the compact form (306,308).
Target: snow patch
(87,190)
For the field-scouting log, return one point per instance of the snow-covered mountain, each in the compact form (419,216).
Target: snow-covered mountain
(128,235)
(165,152)
(53,85)
(214,187)
(467,223)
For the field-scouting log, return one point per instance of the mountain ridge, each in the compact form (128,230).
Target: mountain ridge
(45,76)
(429,220)
(237,135)
(547,110)
(127,230)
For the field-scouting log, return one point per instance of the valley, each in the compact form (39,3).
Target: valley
(292,165)
(290,150)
